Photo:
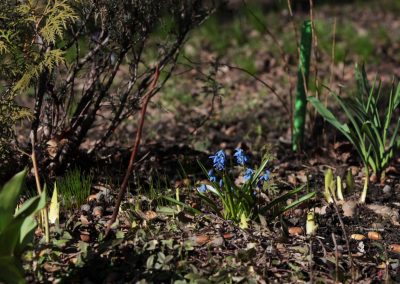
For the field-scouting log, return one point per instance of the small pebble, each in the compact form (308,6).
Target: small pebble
(85,207)
(216,242)
(99,195)
(354,170)
(298,212)
(98,211)
(349,208)
(387,189)
(373,178)
(377,226)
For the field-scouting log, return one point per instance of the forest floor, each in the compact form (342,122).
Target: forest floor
(210,104)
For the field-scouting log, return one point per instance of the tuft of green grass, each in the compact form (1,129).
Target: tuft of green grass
(74,188)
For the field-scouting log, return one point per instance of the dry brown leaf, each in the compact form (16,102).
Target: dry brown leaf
(296,231)
(201,239)
(150,215)
(228,236)
(375,236)
(394,248)
(49,267)
(382,265)
(85,237)
(357,237)
(84,220)
(91,197)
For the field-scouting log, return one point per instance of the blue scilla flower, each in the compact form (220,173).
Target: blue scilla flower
(240,156)
(202,188)
(265,176)
(221,182)
(248,174)
(211,176)
(219,160)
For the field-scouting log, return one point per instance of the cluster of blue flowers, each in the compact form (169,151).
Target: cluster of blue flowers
(219,161)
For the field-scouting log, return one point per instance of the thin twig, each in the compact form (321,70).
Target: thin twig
(311,261)
(135,150)
(344,235)
(39,188)
(336,259)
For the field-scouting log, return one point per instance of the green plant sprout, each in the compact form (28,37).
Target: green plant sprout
(300,106)
(311,226)
(17,226)
(369,128)
(54,209)
(334,186)
(74,188)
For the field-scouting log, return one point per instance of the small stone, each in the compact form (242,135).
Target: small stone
(99,195)
(292,179)
(377,226)
(387,189)
(373,178)
(349,208)
(216,242)
(85,207)
(354,170)
(298,212)
(98,211)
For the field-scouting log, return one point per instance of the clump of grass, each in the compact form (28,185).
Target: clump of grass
(74,188)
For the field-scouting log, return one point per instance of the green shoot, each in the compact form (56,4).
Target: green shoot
(302,81)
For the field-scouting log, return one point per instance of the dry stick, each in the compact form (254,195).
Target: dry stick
(333,56)
(345,236)
(313,114)
(39,189)
(135,150)
(336,259)
(311,261)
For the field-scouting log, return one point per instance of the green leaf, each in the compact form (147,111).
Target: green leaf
(189,208)
(19,231)
(9,197)
(281,199)
(362,80)
(32,205)
(296,203)
(243,221)
(27,229)
(11,271)
(328,116)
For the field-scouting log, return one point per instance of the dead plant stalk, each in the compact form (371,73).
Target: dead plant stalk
(122,190)
(43,214)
